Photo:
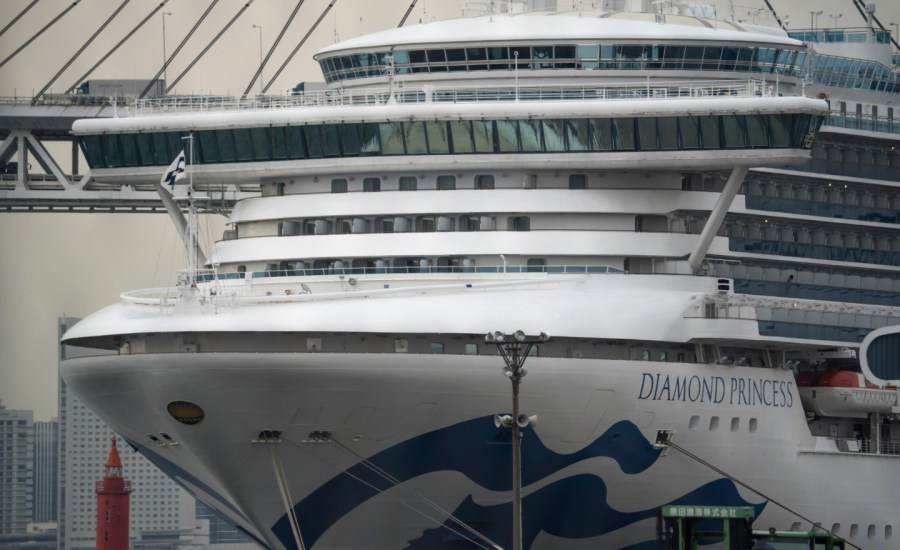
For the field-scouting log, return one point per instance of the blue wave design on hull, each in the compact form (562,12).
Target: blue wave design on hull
(574,507)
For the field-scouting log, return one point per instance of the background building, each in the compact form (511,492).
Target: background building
(16,470)
(46,475)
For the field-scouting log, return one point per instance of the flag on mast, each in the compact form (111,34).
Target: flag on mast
(175,172)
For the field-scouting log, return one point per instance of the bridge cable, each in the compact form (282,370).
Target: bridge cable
(393,480)
(40,32)
(408,11)
(116,47)
(669,443)
(284,29)
(384,493)
(208,46)
(16,18)
(178,49)
(299,45)
(83,47)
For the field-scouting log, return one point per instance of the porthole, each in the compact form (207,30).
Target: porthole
(185,412)
(753,425)
(735,424)
(694,422)
(714,423)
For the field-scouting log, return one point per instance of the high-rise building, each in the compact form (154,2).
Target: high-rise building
(16,470)
(46,475)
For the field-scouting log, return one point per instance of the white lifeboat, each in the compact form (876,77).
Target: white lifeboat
(844,393)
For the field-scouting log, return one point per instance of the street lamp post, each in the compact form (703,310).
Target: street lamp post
(896,26)
(259,27)
(813,16)
(834,18)
(165,78)
(515,349)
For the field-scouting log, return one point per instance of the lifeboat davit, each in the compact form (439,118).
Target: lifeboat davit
(844,393)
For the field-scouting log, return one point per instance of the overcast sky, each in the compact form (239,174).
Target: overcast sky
(55,264)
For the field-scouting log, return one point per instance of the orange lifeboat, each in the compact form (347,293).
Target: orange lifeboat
(844,394)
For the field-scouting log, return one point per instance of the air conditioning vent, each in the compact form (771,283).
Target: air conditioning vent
(723,286)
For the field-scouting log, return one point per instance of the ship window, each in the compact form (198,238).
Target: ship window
(753,425)
(391,138)
(709,128)
(530,132)
(543,56)
(350,139)
(733,130)
(522,53)
(415,138)
(437,347)
(242,268)
(279,188)
(129,150)
(663,356)
(401,345)
(370,141)
(476,54)
(870,532)
(498,57)
(577,181)
(438,141)
(456,55)
(483,136)
(260,138)
(888,532)
(276,139)
(694,422)
(111,150)
(461,133)
(446,183)
(668,133)
(690,132)
(435,56)
(484,182)
(507,136)
(426,224)
(714,423)
(781,130)
(535,265)
(647,133)
(601,134)
(339,185)
(854,530)
(161,148)
(313,141)
(836,528)
(577,134)
(554,135)
(343,226)
(624,132)
(587,55)
(408,183)
(295,146)
(371,185)
(520,223)
(756,130)
(735,424)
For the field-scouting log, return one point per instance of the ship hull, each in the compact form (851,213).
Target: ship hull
(410,438)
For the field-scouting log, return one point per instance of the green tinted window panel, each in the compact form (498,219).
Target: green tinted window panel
(647,133)
(507,136)
(145,150)
(277,141)
(438,139)
(668,133)
(90,147)
(261,148)
(709,131)
(530,133)
(243,144)
(733,130)
(483,136)
(780,131)
(416,144)
(577,134)
(225,141)
(161,149)
(461,135)
(624,132)
(330,140)
(312,138)
(391,138)
(601,134)
(371,145)
(554,135)
(129,150)
(176,145)
(689,129)
(757,130)
(350,142)
(207,149)
(111,151)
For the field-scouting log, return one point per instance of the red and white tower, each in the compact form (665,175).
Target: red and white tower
(113,499)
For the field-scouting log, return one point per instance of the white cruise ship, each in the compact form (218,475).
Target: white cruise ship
(701,216)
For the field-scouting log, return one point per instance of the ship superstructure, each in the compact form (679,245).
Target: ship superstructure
(670,197)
